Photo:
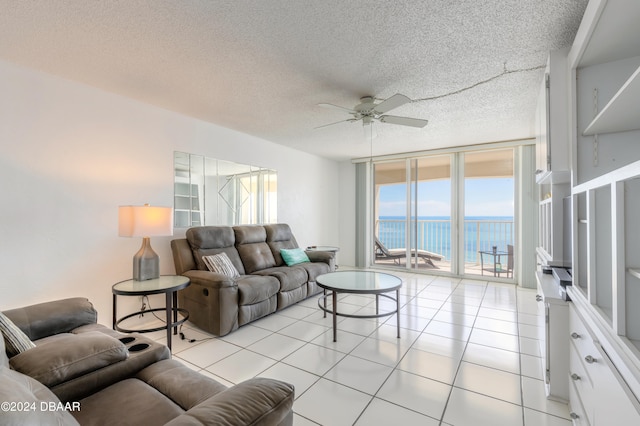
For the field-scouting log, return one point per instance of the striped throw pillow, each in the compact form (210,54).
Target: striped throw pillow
(15,340)
(221,264)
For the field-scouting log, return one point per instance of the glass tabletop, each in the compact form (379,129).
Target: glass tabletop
(359,281)
(163,284)
(496,253)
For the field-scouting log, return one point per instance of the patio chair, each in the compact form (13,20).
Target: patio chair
(383,253)
(509,260)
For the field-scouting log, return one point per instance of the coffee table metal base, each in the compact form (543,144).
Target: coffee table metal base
(335,314)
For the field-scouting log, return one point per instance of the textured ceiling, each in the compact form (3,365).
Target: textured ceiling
(262,66)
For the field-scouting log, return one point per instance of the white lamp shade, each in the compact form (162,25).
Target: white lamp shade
(145,221)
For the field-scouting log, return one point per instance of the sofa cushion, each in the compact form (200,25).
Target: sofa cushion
(314,269)
(221,264)
(29,393)
(184,386)
(67,356)
(15,340)
(128,402)
(279,236)
(290,277)
(212,240)
(254,288)
(294,256)
(253,249)
(258,401)
(59,316)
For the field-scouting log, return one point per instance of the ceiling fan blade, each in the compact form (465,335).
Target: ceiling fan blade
(390,103)
(337,122)
(403,121)
(332,106)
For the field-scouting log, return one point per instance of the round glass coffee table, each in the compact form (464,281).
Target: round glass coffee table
(358,282)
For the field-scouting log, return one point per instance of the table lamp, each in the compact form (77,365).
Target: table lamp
(146,222)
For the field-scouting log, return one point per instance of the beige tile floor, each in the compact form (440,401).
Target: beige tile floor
(468,355)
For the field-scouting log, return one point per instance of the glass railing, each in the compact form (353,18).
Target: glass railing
(435,235)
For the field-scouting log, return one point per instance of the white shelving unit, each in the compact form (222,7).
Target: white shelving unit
(604,65)
(552,157)
(621,113)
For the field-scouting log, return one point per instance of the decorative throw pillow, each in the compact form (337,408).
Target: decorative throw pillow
(15,340)
(294,256)
(221,264)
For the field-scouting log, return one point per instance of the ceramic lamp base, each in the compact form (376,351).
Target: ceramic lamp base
(146,263)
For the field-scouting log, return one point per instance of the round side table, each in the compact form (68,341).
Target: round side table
(167,284)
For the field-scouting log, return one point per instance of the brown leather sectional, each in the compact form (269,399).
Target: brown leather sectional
(84,373)
(219,304)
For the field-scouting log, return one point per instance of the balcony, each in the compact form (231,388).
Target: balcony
(434,235)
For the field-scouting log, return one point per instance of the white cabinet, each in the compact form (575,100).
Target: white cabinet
(604,66)
(555,347)
(599,394)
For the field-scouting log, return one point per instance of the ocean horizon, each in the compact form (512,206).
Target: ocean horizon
(434,234)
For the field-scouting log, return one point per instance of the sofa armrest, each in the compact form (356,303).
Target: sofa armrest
(59,316)
(69,356)
(258,401)
(210,279)
(322,256)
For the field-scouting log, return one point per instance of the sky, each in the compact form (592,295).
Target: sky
(483,197)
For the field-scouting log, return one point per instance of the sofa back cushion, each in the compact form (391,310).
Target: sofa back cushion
(211,240)
(251,243)
(60,316)
(279,236)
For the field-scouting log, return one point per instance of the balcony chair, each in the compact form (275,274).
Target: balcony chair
(383,253)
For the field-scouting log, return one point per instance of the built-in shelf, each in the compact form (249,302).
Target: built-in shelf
(622,113)
(548,177)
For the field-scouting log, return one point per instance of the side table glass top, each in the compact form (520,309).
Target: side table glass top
(157,285)
(323,248)
(359,281)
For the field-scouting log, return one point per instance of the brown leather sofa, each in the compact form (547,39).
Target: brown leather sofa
(89,374)
(219,304)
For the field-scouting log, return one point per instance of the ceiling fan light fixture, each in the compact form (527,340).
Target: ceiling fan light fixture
(368,111)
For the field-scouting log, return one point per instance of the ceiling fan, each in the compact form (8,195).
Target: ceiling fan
(368,111)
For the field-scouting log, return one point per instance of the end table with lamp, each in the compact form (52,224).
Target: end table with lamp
(149,221)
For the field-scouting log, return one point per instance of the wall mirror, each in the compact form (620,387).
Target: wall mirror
(208,191)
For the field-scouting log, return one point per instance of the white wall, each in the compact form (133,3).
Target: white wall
(347,221)
(71,154)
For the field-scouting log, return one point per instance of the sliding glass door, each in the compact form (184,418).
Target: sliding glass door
(445,213)
(412,209)
(489,213)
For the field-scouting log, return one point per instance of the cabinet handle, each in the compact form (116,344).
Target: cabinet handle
(575,335)
(538,298)
(590,359)
(574,376)
(573,415)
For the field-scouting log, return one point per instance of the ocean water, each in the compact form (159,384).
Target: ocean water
(434,234)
